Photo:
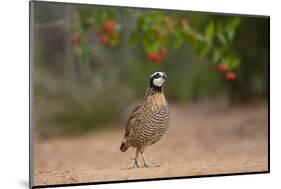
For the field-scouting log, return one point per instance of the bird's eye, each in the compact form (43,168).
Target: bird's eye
(157,75)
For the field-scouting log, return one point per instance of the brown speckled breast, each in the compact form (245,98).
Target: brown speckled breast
(152,121)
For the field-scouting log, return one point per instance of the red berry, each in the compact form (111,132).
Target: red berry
(163,51)
(184,22)
(230,76)
(155,57)
(109,26)
(222,67)
(104,40)
(76,39)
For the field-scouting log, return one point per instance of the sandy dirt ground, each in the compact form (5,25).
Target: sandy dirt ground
(201,140)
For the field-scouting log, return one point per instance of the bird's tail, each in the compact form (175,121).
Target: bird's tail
(123,147)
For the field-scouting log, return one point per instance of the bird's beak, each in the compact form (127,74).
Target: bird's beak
(164,76)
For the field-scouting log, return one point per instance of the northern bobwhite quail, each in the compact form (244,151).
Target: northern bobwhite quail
(149,120)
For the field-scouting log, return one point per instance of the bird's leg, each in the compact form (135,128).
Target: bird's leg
(146,164)
(136,164)
(144,161)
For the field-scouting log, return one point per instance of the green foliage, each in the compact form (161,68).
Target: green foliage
(155,30)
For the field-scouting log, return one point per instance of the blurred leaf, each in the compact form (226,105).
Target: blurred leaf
(231,61)
(221,38)
(216,56)
(230,34)
(178,40)
(231,28)
(210,31)
(220,33)
(114,42)
(149,46)
(233,24)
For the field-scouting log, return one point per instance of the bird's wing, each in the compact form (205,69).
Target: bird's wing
(133,119)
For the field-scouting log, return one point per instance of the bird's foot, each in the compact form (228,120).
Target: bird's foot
(135,164)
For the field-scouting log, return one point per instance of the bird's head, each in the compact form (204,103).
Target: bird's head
(157,80)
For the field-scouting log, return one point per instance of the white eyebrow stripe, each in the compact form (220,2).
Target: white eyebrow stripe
(161,73)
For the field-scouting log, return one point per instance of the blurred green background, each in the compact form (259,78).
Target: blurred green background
(85,81)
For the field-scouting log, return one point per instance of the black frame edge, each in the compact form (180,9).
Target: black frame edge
(151,179)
